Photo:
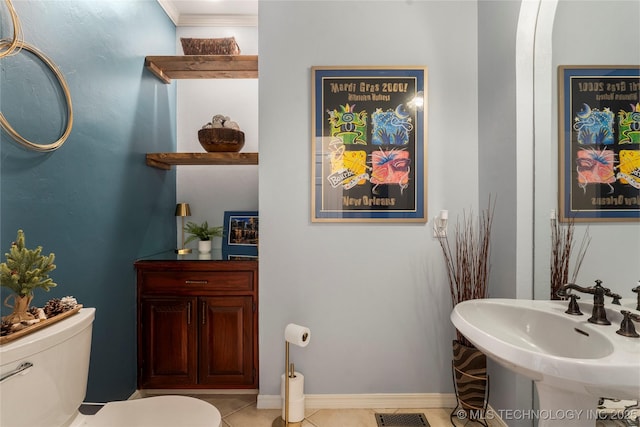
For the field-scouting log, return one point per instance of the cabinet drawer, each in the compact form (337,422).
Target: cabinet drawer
(197,280)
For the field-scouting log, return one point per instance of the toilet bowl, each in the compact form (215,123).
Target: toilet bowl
(45,380)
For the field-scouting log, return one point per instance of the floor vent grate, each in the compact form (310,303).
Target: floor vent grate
(402,420)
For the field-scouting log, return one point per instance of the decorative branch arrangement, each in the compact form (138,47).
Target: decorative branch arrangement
(562,246)
(467,263)
(26,269)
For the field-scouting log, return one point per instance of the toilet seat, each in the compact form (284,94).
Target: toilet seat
(158,411)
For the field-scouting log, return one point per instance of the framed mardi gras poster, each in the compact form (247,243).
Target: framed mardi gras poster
(599,143)
(369,144)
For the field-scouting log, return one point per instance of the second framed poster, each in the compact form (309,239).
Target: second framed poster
(599,143)
(369,152)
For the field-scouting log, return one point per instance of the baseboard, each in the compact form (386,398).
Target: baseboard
(138,394)
(355,401)
(180,391)
(497,420)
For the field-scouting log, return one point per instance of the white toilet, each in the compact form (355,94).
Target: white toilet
(50,391)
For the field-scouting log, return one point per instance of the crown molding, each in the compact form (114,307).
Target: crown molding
(187,20)
(206,20)
(170,10)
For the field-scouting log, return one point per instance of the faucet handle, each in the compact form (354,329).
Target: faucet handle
(615,297)
(626,326)
(637,291)
(574,308)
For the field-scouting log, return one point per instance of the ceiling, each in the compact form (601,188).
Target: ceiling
(211,12)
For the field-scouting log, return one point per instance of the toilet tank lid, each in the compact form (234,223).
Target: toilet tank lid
(46,337)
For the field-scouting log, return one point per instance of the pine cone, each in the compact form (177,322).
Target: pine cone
(68,303)
(5,328)
(53,307)
(38,313)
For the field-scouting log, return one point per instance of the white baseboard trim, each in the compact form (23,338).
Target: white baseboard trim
(497,419)
(181,391)
(356,401)
(136,395)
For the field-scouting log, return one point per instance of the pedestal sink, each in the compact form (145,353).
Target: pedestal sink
(572,362)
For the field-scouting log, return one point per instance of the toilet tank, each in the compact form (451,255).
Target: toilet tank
(49,393)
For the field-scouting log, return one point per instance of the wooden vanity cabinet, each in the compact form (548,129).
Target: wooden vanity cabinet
(197,324)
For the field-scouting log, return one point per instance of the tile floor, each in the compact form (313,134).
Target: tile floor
(239,410)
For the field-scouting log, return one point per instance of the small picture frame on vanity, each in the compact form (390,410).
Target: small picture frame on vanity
(241,234)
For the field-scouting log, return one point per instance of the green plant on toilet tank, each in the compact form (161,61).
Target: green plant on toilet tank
(24,271)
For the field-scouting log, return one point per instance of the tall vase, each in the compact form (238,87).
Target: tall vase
(471,382)
(20,308)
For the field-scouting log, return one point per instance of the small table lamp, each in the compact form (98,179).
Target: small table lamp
(182,210)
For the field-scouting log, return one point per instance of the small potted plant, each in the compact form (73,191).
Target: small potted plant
(203,233)
(24,271)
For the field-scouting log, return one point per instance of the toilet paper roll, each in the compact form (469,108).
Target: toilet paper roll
(296,386)
(296,334)
(296,410)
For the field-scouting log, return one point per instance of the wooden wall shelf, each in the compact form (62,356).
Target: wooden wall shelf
(166,160)
(203,67)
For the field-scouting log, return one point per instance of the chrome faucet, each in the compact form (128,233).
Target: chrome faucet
(598,314)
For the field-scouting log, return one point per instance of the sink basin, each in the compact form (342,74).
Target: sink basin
(528,329)
(573,362)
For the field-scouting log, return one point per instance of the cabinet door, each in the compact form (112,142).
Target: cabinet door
(226,341)
(169,342)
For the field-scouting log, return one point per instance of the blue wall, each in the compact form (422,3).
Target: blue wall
(93,202)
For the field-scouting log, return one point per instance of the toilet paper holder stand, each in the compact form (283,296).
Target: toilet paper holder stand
(289,373)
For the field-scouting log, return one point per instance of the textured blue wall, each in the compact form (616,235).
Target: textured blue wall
(93,202)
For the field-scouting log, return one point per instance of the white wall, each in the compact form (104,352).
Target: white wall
(374,295)
(500,172)
(212,190)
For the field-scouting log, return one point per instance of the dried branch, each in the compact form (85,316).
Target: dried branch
(467,263)
(562,248)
